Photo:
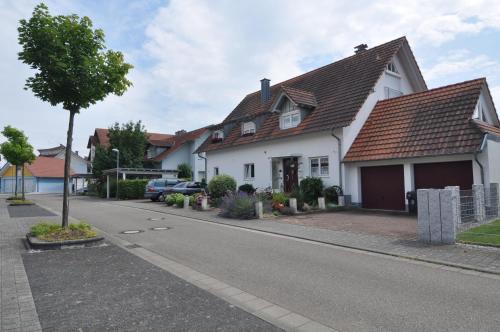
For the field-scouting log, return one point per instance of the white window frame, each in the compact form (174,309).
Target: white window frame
(248,128)
(284,124)
(321,167)
(218,134)
(392,68)
(249,171)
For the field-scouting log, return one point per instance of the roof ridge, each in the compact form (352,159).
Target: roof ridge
(415,94)
(400,39)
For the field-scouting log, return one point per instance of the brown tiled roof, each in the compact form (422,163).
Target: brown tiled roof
(47,167)
(339,89)
(429,123)
(300,97)
(101,137)
(176,141)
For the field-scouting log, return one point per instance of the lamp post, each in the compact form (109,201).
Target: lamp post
(117,169)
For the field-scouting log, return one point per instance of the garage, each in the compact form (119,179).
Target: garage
(440,175)
(382,187)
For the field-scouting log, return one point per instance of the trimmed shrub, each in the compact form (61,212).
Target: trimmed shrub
(238,206)
(176,199)
(170,200)
(311,189)
(220,185)
(247,188)
(131,189)
(332,194)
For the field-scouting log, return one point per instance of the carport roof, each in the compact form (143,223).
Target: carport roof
(430,123)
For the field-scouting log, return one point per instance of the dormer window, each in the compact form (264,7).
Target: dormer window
(290,114)
(391,67)
(478,112)
(217,136)
(247,128)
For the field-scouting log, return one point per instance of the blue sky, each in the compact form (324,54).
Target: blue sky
(194,60)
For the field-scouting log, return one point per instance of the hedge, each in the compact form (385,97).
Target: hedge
(131,189)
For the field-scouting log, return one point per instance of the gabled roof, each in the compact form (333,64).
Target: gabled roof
(177,141)
(300,97)
(52,152)
(339,90)
(430,123)
(100,137)
(46,167)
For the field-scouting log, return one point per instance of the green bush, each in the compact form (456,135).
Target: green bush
(176,199)
(185,171)
(279,198)
(238,205)
(54,232)
(311,189)
(131,189)
(44,228)
(332,194)
(220,185)
(299,196)
(247,188)
(170,200)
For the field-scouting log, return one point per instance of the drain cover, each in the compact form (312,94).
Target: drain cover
(160,228)
(156,219)
(135,231)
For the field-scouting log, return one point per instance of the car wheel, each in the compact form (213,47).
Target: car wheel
(161,198)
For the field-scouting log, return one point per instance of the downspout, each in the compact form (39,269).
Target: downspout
(340,157)
(481,167)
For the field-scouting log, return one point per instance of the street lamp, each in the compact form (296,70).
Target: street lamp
(117,168)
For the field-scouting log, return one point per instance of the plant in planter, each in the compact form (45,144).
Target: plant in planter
(332,194)
(311,189)
(178,200)
(51,232)
(279,201)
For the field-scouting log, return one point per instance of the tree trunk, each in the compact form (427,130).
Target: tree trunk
(15,191)
(67,164)
(22,181)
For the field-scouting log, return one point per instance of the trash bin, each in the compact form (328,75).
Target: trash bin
(411,196)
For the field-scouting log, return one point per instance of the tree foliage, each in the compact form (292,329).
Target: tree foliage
(132,140)
(16,150)
(185,171)
(72,67)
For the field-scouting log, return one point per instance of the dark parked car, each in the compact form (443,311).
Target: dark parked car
(155,188)
(186,188)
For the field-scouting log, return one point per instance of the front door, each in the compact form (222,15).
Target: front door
(290,174)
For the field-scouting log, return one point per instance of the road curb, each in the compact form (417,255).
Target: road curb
(358,248)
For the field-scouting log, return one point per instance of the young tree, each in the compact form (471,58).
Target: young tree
(185,171)
(73,66)
(17,151)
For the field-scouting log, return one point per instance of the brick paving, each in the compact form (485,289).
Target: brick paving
(475,257)
(17,309)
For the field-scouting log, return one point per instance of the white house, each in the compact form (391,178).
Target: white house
(180,149)
(367,123)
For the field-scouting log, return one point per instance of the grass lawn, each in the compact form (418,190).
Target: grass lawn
(486,235)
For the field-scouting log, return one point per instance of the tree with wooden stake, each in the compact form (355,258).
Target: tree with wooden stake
(73,68)
(17,151)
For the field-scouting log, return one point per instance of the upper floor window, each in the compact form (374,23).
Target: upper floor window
(248,128)
(392,67)
(391,93)
(290,120)
(478,112)
(217,136)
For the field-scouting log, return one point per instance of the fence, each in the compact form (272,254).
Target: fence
(442,213)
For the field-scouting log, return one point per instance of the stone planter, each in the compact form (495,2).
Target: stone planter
(38,244)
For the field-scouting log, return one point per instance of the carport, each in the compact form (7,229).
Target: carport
(142,172)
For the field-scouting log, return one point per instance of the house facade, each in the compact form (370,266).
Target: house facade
(367,123)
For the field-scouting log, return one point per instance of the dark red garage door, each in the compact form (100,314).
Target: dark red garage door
(382,187)
(440,175)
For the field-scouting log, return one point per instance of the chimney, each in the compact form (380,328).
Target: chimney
(180,132)
(360,48)
(265,90)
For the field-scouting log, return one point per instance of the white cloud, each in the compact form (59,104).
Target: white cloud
(199,58)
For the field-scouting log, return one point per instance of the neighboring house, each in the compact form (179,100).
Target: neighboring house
(366,123)
(44,175)
(180,149)
(156,143)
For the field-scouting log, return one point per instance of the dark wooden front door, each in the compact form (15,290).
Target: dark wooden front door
(440,175)
(382,187)
(290,176)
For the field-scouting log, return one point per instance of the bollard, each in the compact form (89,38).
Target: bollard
(186,202)
(321,203)
(293,204)
(259,210)
(204,203)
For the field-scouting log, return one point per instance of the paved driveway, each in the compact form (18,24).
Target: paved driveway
(363,222)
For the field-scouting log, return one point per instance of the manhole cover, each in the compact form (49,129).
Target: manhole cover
(156,219)
(134,231)
(160,228)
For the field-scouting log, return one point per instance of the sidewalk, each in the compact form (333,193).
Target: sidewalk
(470,257)
(18,311)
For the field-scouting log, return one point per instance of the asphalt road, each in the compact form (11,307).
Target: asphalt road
(346,290)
